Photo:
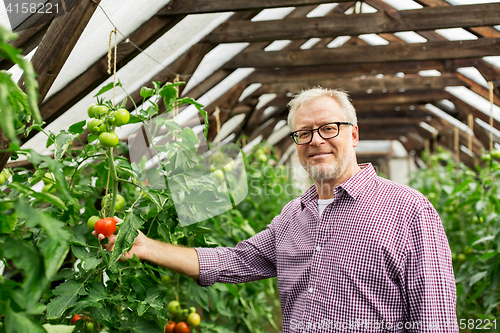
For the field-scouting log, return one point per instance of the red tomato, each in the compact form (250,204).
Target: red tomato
(106,226)
(75,318)
(181,327)
(170,327)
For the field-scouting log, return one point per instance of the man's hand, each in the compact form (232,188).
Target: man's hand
(139,248)
(177,258)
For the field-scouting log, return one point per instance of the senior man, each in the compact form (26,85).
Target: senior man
(354,253)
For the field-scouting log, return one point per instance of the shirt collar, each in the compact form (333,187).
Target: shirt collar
(353,186)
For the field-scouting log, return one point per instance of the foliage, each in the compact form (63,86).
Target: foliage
(468,203)
(55,268)
(17,108)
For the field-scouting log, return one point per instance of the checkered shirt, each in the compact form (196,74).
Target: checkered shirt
(377,260)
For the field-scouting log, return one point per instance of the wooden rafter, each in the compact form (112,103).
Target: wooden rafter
(175,7)
(429,18)
(369,54)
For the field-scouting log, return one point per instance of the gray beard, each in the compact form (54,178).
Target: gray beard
(327,172)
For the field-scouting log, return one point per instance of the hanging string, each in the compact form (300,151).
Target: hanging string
(114,60)
(127,40)
(470,119)
(217,119)
(491,114)
(114,92)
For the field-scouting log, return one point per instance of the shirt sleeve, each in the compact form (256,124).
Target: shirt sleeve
(250,260)
(430,283)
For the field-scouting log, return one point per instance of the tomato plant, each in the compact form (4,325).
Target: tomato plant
(469,206)
(121,117)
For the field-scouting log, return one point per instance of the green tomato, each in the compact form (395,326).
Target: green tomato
(262,158)
(432,195)
(218,174)
(121,117)
(47,189)
(461,257)
(495,154)
(90,111)
(173,307)
(48,178)
(192,309)
(228,167)
(486,157)
(193,319)
(120,202)
(91,222)
(99,110)
(165,279)
(108,139)
(89,327)
(2,179)
(96,126)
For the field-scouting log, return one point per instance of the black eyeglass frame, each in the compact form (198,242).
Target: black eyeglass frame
(338,123)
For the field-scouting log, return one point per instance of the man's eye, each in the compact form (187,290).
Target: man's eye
(303,134)
(328,128)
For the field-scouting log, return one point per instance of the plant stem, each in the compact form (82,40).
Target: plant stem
(114,180)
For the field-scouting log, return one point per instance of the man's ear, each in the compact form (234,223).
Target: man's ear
(355,136)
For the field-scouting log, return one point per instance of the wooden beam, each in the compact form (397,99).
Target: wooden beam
(59,40)
(30,32)
(365,84)
(478,89)
(369,54)
(391,121)
(275,75)
(96,74)
(429,18)
(176,7)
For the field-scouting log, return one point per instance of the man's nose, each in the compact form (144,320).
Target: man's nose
(316,139)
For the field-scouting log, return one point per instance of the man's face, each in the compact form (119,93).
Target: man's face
(325,159)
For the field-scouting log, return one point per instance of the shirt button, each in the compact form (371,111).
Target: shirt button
(310,290)
(318,248)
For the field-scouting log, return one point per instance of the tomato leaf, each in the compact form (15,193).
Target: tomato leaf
(107,87)
(147,92)
(18,322)
(77,128)
(126,236)
(67,294)
(58,328)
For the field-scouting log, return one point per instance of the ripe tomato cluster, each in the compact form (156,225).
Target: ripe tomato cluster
(89,325)
(181,319)
(103,121)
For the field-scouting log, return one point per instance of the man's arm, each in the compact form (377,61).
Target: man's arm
(181,259)
(430,283)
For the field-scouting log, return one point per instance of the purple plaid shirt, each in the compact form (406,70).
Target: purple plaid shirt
(376,260)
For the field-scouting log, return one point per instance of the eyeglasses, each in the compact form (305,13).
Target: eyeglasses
(326,131)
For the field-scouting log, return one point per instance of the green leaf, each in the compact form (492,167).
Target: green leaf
(476,277)
(92,138)
(67,294)
(26,257)
(40,196)
(147,92)
(58,328)
(38,127)
(19,322)
(91,263)
(7,222)
(484,239)
(63,141)
(142,325)
(126,236)
(169,94)
(77,128)
(80,252)
(107,87)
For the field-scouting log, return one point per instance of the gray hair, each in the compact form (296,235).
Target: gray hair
(306,96)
